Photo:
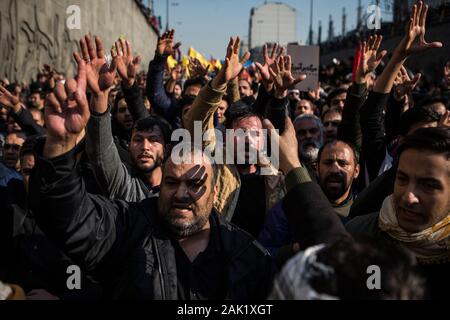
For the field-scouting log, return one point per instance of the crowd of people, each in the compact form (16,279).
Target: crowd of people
(88,178)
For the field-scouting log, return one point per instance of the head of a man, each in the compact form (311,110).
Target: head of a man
(422,185)
(121,113)
(177,91)
(38,116)
(294,95)
(148,143)
(304,106)
(245,88)
(336,99)
(223,107)
(332,118)
(36,99)
(436,103)
(192,87)
(11,150)
(185,105)
(416,118)
(337,168)
(187,191)
(248,134)
(27,159)
(309,132)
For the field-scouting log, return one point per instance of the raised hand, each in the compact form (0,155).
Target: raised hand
(176,73)
(288,146)
(127,65)
(404,85)
(282,77)
(165,44)
(414,41)
(233,66)
(66,114)
(100,75)
(9,100)
(370,58)
(196,69)
(269,61)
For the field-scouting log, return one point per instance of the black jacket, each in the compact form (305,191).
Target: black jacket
(436,275)
(124,245)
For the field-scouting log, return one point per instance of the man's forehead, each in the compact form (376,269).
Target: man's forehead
(306,124)
(424,164)
(248,123)
(15,138)
(332,116)
(150,132)
(337,151)
(188,170)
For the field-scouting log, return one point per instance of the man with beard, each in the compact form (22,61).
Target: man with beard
(173,247)
(338,167)
(310,139)
(10,164)
(149,139)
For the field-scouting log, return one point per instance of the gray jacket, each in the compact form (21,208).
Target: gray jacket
(116,181)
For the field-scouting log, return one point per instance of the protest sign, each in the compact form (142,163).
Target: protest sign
(305,60)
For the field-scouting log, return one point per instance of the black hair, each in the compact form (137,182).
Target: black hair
(436,140)
(331,110)
(239,111)
(350,261)
(429,100)
(185,101)
(29,145)
(414,116)
(199,81)
(150,122)
(115,107)
(335,93)
(350,145)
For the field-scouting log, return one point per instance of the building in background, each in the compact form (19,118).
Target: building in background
(272,22)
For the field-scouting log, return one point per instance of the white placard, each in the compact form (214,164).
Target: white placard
(305,60)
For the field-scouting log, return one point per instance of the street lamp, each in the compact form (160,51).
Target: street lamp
(173,4)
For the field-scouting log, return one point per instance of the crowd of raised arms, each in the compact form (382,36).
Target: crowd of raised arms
(362,177)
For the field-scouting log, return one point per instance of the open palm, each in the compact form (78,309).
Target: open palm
(100,75)
(67,109)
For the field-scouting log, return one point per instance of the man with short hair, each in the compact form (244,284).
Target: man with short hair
(173,247)
(332,118)
(310,138)
(304,106)
(245,88)
(417,215)
(149,140)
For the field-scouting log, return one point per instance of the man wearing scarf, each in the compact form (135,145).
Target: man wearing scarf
(417,215)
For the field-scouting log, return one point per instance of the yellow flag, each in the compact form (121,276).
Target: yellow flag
(171,62)
(197,55)
(185,62)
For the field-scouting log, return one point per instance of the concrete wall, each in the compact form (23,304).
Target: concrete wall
(431,62)
(34,32)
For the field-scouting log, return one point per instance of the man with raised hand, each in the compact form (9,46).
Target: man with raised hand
(149,135)
(172,247)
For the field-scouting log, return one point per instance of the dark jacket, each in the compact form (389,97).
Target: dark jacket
(437,275)
(32,260)
(123,243)
(164,104)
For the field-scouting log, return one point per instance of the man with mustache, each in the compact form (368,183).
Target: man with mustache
(172,247)
(337,169)
(149,136)
(310,137)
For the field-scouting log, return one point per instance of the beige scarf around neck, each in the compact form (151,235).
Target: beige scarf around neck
(431,245)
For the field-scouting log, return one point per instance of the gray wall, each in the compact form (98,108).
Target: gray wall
(431,62)
(34,32)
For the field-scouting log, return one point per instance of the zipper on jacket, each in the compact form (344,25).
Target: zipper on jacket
(161,277)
